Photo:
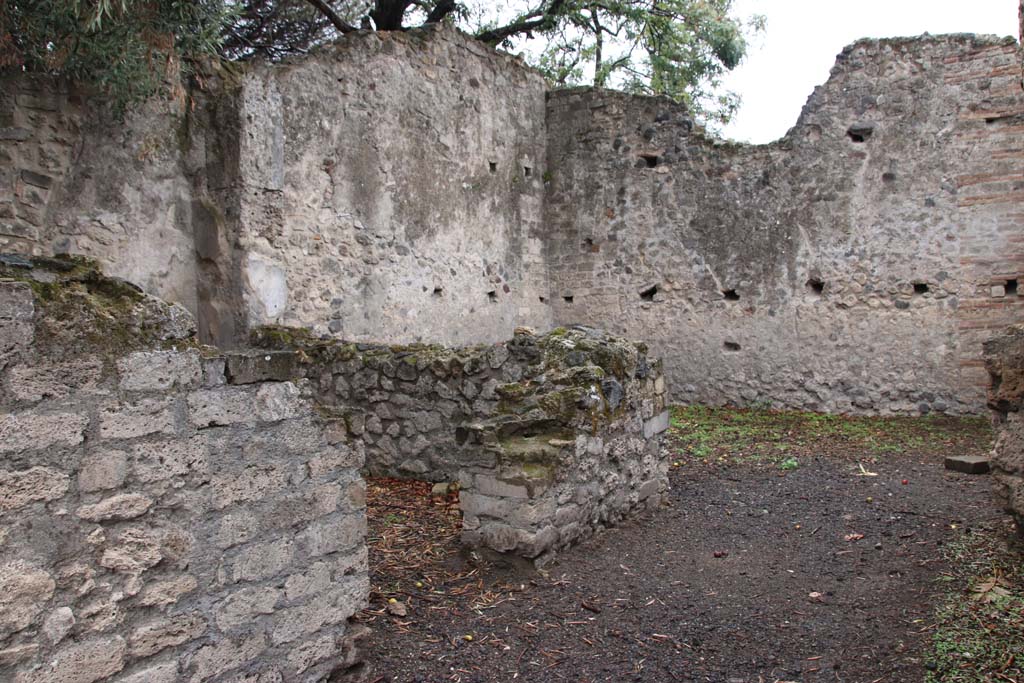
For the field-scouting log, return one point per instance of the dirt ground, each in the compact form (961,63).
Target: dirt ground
(791,548)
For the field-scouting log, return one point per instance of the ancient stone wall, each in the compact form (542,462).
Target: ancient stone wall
(75,179)
(169,512)
(855,265)
(1004,358)
(547,437)
(390,188)
(160,522)
(414,187)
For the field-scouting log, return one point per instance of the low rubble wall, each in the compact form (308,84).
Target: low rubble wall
(170,512)
(157,523)
(548,437)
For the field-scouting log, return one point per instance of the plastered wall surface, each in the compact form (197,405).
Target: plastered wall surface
(420,187)
(391,190)
(73,179)
(856,265)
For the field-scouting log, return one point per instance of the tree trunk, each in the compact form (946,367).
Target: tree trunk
(599,78)
(388,15)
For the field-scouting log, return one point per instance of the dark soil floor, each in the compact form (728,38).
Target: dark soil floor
(821,566)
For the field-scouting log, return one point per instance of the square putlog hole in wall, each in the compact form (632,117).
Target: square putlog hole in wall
(860,131)
(527,171)
(648,294)
(730,295)
(1011,287)
(493,166)
(648,161)
(731,346)
(492,296)
(920,288)
(568,299)
(815,286)
(438,291)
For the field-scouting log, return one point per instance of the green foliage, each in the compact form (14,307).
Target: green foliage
(131,49)
(677,48)
(127,49)
(733,435)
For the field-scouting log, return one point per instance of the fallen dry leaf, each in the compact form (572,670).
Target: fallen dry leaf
(853,537)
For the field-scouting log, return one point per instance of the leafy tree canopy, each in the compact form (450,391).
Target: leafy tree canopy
(127,48)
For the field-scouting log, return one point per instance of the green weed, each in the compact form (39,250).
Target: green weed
(979,632)
(771,436)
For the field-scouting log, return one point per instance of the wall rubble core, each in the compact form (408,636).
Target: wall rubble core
(419,187)
(549,437)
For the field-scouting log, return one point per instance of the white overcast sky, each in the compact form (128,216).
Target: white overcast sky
(803,37)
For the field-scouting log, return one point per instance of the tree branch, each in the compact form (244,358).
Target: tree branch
(326,10)
(545,20)
(441,10)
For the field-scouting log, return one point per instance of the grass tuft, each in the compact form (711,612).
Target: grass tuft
(771,437)
(979,632)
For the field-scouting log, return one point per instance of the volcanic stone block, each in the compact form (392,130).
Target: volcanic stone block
(968,464)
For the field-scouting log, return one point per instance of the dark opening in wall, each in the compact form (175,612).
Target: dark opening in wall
(649,160)
(438,291)
(591,246)
(493,166)
(730,295)
(1011,287)
(543,299)
(492,296)
(816,286)
(920,288)
(860,132)
(648,294)
(567,299)
(731,346)
(527,171)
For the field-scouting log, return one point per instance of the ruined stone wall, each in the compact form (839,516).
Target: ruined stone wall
(1004,358)
(160,522)
(75,179)
(548,437)
(855,265)
(389,188)
(414,187)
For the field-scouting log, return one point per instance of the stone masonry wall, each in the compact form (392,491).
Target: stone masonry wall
(73,179)
(548,437)
(389,188)
(856,265)
(159,523)
(415,186)
(1004,358)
